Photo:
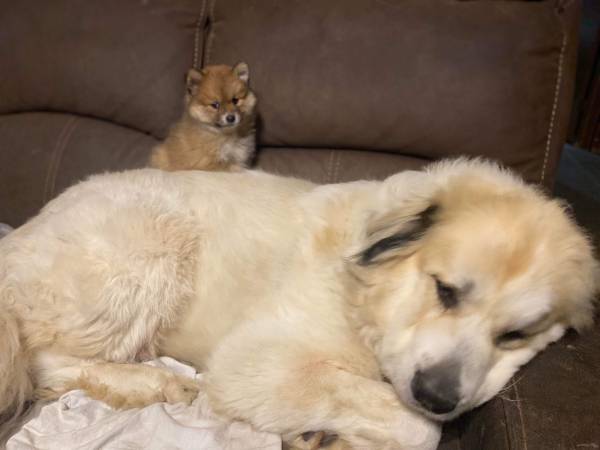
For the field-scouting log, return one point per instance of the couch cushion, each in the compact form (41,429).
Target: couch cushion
(334,165)
(51,151)
(428,79)
(118,60)
(44,153)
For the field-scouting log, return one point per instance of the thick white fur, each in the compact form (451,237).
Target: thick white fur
(254,278)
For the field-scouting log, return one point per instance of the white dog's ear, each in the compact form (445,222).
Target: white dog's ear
(394,235)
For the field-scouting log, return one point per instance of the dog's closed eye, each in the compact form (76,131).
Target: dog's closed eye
(447,294)
(510,338)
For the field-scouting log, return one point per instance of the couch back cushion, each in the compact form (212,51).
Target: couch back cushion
(122,61)
(424,78)
(420,78)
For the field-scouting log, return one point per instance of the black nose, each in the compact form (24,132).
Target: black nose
(230,118)
(436,388)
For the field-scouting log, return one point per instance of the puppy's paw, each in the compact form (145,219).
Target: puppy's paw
(179,389)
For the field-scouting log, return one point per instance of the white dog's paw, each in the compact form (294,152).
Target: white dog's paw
(179,389)
(414,431)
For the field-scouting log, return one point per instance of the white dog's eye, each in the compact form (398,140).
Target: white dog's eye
(446,294)
(510,337)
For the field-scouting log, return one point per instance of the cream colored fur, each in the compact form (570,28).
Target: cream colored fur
(264,283)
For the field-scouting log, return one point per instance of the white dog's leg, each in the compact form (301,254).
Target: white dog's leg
(119,385)
(288,389)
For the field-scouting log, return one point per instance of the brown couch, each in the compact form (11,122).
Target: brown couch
(347,88)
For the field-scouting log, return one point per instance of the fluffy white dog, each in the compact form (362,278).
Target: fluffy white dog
(296,299)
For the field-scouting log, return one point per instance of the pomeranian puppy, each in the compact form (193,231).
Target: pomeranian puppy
(217,129)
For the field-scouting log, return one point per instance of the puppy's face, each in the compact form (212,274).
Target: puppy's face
(462,294)
(218,96)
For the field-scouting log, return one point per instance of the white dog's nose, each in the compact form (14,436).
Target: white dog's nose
(437,388)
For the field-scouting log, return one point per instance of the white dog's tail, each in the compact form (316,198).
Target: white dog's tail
(16,388)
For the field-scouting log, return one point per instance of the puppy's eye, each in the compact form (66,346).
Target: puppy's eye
(510,337)
(446,294)
(235,100)
(215,105)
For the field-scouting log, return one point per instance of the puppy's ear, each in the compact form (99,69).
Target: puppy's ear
(242,71)
(192,79)
(392,235)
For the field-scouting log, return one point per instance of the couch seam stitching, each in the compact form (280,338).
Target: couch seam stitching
(61,143)
(330,166)
(506,433)
(211,35)
(81,115)
(518,403)
(197,34)
(460,435)
(555,105)
(336,171)
(60,154)
(51,164)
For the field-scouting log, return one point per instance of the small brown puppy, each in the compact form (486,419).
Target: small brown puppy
(216,131)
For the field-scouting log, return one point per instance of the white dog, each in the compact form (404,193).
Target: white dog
(297,300)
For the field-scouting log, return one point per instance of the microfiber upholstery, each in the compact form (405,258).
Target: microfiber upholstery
(422,78)
(117,60)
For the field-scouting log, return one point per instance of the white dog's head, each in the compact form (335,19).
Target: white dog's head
(467,274)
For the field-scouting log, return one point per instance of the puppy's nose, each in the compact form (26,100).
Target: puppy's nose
(437,388)
(230,118)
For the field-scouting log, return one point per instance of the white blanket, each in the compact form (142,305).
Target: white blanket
(77,422)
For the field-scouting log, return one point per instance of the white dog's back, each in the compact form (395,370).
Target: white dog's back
(107,265)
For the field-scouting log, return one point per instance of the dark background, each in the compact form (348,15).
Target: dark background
(585,120)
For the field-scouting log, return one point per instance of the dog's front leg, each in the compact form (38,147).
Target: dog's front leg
(285,388)
(120,385)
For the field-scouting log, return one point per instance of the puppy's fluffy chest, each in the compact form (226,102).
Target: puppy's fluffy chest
(193,146)
(236,148)
(221,145)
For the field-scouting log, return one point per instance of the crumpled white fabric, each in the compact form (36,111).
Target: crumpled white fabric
(77,422)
